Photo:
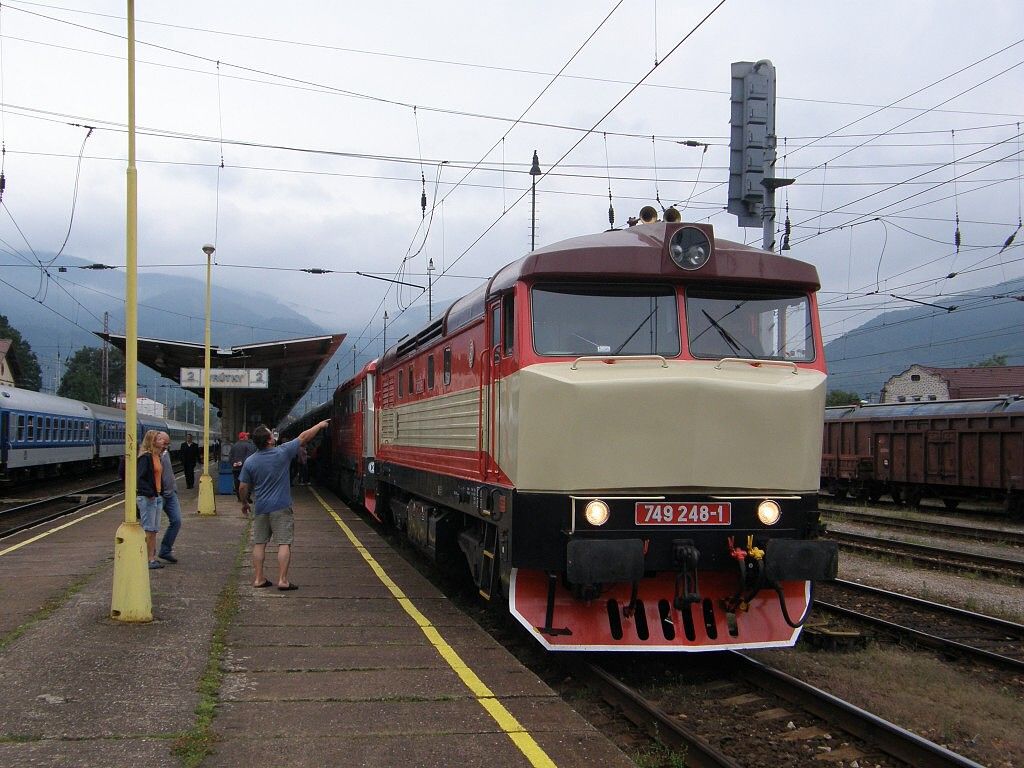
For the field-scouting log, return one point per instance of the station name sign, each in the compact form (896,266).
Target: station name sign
(227,378)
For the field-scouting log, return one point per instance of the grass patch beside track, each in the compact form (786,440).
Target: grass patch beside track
(195,744)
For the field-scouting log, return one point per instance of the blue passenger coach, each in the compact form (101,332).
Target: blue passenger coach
(46,435)
(43,431)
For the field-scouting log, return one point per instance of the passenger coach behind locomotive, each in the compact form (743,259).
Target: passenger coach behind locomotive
(625,430)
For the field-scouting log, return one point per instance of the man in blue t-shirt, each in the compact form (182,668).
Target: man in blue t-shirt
(266,475)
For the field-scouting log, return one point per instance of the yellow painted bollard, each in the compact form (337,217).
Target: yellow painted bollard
(207,501)
(131,599)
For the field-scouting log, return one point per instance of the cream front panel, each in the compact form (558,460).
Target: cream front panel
(638,425)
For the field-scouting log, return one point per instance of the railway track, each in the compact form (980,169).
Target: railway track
(930,556)
(740,716)
(766,705)
(951,631)
(839,513)
(16,519)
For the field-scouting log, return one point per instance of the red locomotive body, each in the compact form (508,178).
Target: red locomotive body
(620,434)
(352,436)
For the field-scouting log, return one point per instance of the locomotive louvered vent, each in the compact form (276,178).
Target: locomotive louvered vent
(432,331)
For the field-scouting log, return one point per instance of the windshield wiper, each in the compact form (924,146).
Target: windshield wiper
(635,331)
(725,334)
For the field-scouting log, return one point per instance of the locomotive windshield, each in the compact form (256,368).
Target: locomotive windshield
(605,320)
(749,323)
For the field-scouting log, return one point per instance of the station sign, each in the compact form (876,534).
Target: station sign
(227,378)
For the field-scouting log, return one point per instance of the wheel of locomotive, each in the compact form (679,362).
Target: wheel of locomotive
(897,495)
(951,504)
(875,493)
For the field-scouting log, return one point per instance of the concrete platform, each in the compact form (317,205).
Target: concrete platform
(346,670)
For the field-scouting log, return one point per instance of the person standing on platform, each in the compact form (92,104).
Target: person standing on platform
(240,451)
(148,481)
(266,474)
(189,457)
(169,491)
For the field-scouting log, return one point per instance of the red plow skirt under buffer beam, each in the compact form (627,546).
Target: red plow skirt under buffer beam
(601,624)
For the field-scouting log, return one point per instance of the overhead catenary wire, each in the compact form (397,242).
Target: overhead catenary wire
(447,62)
(945,101)
(522,115)
(608,178)
(838,209)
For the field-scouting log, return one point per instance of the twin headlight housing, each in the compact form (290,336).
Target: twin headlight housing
(689,248)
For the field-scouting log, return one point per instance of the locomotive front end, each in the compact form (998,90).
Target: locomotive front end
(664,444)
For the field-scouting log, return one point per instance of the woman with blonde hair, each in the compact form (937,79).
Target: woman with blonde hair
(148,471)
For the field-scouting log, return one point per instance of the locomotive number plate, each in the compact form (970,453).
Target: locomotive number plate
(683,513)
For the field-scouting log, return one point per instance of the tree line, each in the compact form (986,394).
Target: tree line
(82,377)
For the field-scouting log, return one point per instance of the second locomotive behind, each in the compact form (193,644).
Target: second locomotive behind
(620,433)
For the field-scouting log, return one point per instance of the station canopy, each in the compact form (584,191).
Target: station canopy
(293,365)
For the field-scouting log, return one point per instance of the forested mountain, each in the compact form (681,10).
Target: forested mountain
(985,323)
(59,317)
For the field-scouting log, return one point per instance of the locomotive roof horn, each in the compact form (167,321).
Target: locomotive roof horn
(672,215)
(648,214)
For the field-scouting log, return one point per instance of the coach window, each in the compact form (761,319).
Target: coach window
(430,371)
(30,435)
(508,317)
(410,380)
(21,427)
(401,378)
(48,434)
(447,366)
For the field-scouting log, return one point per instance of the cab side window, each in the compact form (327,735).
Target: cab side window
(495,325)
(508,322)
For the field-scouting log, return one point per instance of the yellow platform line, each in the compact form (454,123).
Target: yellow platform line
(484,696)
(44,534)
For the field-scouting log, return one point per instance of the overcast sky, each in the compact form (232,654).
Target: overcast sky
(310,107)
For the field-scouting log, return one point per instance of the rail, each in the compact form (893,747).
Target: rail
(890,738)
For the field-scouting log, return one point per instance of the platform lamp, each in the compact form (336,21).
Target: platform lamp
(131,600)
(207,502)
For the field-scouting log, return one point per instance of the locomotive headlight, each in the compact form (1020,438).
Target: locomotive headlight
(597,512)
(768,512)
(689,248)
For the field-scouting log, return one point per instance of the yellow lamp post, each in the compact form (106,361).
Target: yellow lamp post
(131,599)
(207,502)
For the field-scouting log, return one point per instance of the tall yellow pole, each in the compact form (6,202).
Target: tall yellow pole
(131,599)
(207,501)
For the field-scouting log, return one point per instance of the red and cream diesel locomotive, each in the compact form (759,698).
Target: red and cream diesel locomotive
(620,433)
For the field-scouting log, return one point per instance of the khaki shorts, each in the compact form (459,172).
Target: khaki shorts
(280,524)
